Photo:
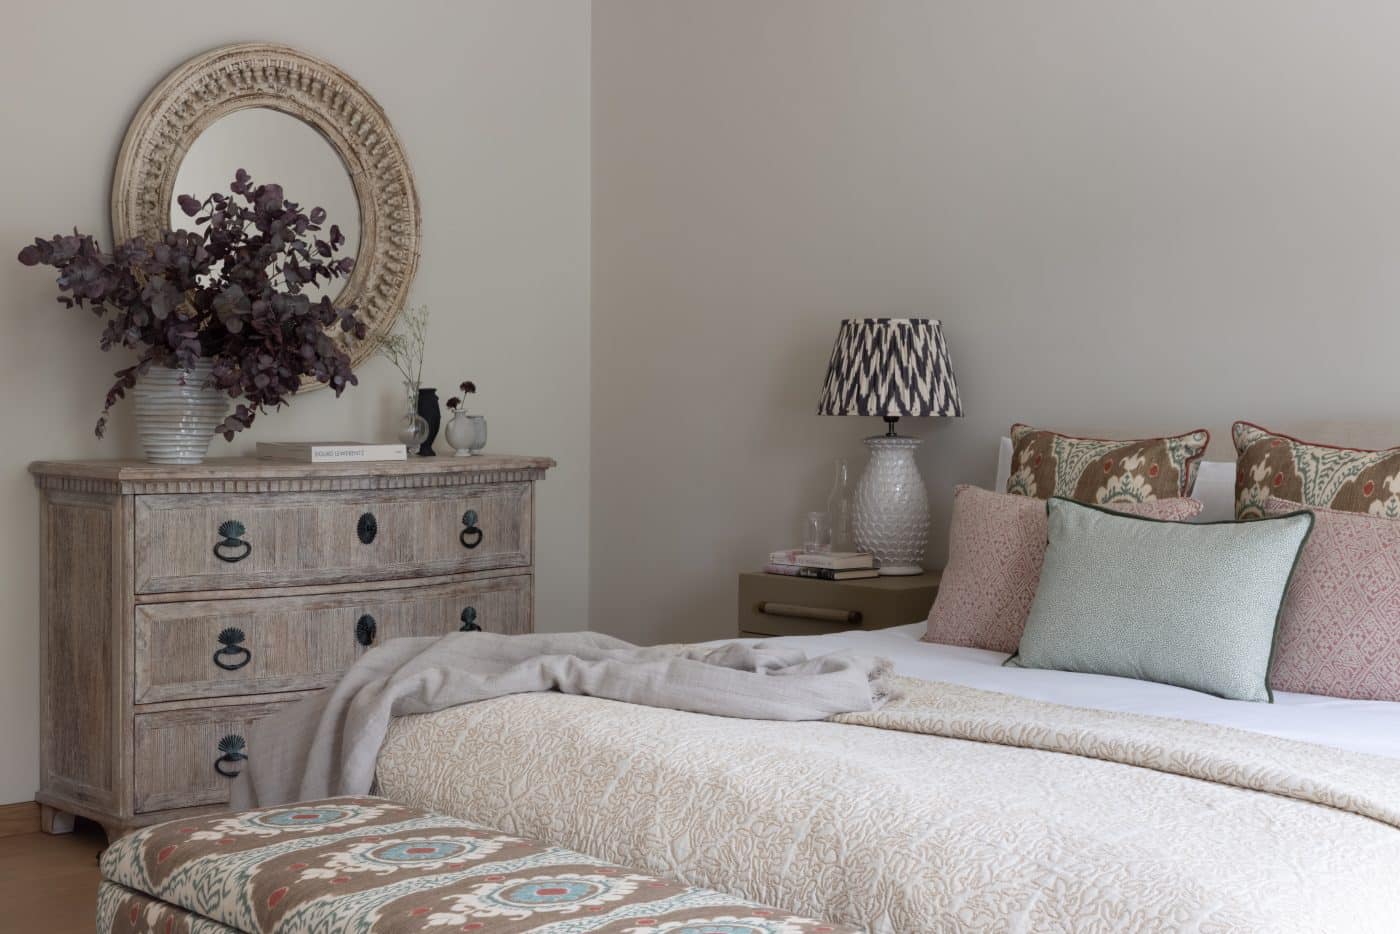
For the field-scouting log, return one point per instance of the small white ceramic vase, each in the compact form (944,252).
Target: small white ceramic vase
(466,433)
(177,413)
(890,515)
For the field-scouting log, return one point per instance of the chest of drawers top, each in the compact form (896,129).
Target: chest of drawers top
(250,475)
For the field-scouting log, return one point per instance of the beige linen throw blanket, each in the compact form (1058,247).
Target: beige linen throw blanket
(328,744)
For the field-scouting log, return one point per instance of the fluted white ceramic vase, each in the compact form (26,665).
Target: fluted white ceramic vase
(890,515)
(177,413)
(466,433)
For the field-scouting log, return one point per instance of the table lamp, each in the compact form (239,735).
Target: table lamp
(891,368)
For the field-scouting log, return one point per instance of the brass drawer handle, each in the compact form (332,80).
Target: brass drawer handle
(367,528)
(230,752)
(820,613)
(469,620)
(365,630)
(469,523)
(232,548)
(231,648)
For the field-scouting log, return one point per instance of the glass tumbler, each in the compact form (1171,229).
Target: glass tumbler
(816,535)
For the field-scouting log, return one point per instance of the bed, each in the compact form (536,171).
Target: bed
(997,799)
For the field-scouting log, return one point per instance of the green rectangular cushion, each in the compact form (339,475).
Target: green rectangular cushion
(1194,605)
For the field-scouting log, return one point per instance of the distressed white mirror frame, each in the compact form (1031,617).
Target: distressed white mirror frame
(258,74)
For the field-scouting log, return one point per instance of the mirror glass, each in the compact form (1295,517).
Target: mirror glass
(273,147)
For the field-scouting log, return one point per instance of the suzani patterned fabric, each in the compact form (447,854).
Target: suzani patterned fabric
(121,909)
(368,864)
(1346,479)
(1101,471)
(1339,634)
(996,546)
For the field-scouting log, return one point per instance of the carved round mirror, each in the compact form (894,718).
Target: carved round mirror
(287,117)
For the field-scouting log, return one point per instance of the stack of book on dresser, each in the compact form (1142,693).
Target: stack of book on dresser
(826,566)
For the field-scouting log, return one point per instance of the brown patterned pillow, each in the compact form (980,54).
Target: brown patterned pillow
(1096,470)
(1321,475)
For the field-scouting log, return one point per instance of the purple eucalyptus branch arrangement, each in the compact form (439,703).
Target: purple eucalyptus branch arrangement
(231,293)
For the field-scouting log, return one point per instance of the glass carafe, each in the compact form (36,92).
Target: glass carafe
(838,508)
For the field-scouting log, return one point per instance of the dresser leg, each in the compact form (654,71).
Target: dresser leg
(52,820)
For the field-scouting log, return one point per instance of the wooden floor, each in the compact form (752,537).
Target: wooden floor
(49,883)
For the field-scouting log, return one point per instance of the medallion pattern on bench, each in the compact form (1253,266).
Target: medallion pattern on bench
(367,864)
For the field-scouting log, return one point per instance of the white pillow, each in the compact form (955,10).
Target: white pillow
(1215,485)
(1215,488)
(1003,465)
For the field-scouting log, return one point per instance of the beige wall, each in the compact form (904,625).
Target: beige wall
(491,102)
(1159,214)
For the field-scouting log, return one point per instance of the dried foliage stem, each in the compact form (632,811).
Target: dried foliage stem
(405,347)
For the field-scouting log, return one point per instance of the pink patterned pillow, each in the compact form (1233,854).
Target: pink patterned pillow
(995,549)
(1339,632)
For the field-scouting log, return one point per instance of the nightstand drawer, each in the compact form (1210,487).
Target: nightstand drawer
(218,648)
(776,605)
(186,543)
(765,626)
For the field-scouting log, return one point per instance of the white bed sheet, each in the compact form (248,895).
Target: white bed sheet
(1361,726)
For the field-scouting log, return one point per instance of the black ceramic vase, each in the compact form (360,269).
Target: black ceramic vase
(431,413)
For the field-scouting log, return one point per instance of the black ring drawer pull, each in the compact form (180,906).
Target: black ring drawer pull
(365,629)
(229,548)
(232,655)
(469,523)
(367,528)
(469,620)
(230,752)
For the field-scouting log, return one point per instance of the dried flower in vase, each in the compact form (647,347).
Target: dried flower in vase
(467,388)
(405,346)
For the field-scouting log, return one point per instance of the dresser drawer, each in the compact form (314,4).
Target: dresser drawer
(230,541)
(220,648)
(186,758)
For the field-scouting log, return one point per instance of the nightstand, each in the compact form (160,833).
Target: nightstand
(774,605)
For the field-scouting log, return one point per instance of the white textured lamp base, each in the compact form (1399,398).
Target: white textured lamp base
(890,515)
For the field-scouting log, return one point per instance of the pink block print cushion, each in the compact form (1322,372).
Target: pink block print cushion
(1339,633)
(995,549)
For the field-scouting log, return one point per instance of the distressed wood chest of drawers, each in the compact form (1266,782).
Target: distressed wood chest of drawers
(181,604)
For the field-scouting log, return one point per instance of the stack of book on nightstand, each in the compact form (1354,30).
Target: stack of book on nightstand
(830,566)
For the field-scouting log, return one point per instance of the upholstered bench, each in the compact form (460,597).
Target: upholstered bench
(367,864)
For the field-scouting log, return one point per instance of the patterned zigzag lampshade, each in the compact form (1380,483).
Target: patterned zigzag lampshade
(890,367)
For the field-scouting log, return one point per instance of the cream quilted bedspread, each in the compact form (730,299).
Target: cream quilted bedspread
(963,810)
